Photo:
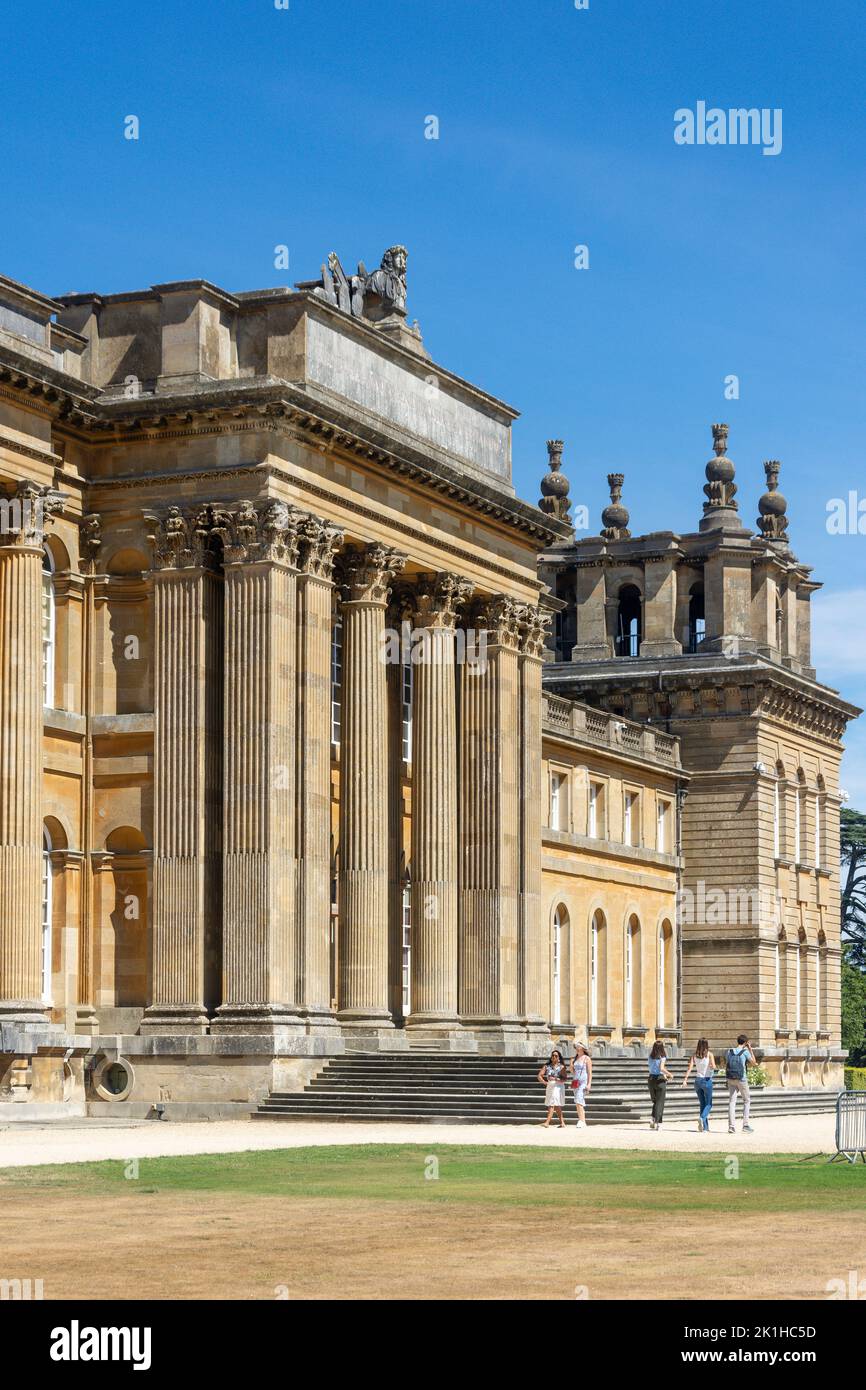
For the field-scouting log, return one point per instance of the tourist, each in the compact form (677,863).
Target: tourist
(553,1074)
(581,1081)
(659,1076)
(737,1060)
(704,1064)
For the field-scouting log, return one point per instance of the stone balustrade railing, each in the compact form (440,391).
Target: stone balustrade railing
(580,721)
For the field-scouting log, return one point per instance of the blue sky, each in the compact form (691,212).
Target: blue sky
(305,127)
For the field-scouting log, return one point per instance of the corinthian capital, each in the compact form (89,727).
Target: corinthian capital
(181,538)
(319,543)
(366,572)
(25,516)
(253,532)
(534,622)
(438,597)
(501,617)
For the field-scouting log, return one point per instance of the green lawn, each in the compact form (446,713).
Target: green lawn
(604,1179)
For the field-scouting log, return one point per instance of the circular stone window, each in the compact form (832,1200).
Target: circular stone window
(113,1078)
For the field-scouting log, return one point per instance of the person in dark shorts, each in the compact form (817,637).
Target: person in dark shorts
(658,1079)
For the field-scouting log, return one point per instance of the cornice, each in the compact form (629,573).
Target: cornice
(268,404)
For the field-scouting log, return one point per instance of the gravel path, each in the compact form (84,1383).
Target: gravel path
(82,1141)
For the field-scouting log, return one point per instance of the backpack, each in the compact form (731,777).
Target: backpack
(735,1064)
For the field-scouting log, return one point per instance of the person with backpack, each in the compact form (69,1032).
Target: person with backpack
(581,1081)
(736,1062)
(704,1064)
(658,1079)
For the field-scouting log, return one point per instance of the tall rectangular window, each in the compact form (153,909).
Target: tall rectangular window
(593,818)
(818,832)
(406,950)
(556,796)
(336,680)
(777,820)
(631,815)
(798,825)
(662,812)
(406,711)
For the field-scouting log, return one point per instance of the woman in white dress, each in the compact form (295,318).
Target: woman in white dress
(552,1076)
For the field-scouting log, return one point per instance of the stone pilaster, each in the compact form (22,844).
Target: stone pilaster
(532,941)
(260,944)
(490,823)
(24,518)
(363,992)
(186,772)
(318,545)
(434,805)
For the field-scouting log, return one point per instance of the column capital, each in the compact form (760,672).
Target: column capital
(253,532)
(181,538)
(501,616)
(318,545)
(366,572)
(438,597)
(534,623)
(26,514)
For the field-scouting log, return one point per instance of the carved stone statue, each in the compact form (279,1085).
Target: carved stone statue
(370,294)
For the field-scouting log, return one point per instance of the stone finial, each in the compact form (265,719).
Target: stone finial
(773,522)
(615,515)
(555,486)
(720,487)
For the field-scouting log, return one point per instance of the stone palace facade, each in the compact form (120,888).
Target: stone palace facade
(289,764)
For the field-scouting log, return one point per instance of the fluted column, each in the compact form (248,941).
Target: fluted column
(259,866)
(21,754)
(533,947)
(363,931)
(490,822)
(186,772)
(318,545)
(434,804)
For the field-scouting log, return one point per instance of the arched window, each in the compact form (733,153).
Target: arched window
(597,969)
(560,930)
(628,621)
(697,618)
(819,823)
(48,628)
(799,983)
(820,982)
(46,916)
(665,1009)
(632,973)
(799,793)
(778,793)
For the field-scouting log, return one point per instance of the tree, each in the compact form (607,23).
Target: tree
(854,886)
(853,1008)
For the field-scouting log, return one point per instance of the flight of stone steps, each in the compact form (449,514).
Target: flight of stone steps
(465,1088)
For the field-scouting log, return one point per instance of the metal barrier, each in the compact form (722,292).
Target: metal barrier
(850,1126)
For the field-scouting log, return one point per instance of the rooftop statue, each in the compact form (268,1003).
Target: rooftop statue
(368,294)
